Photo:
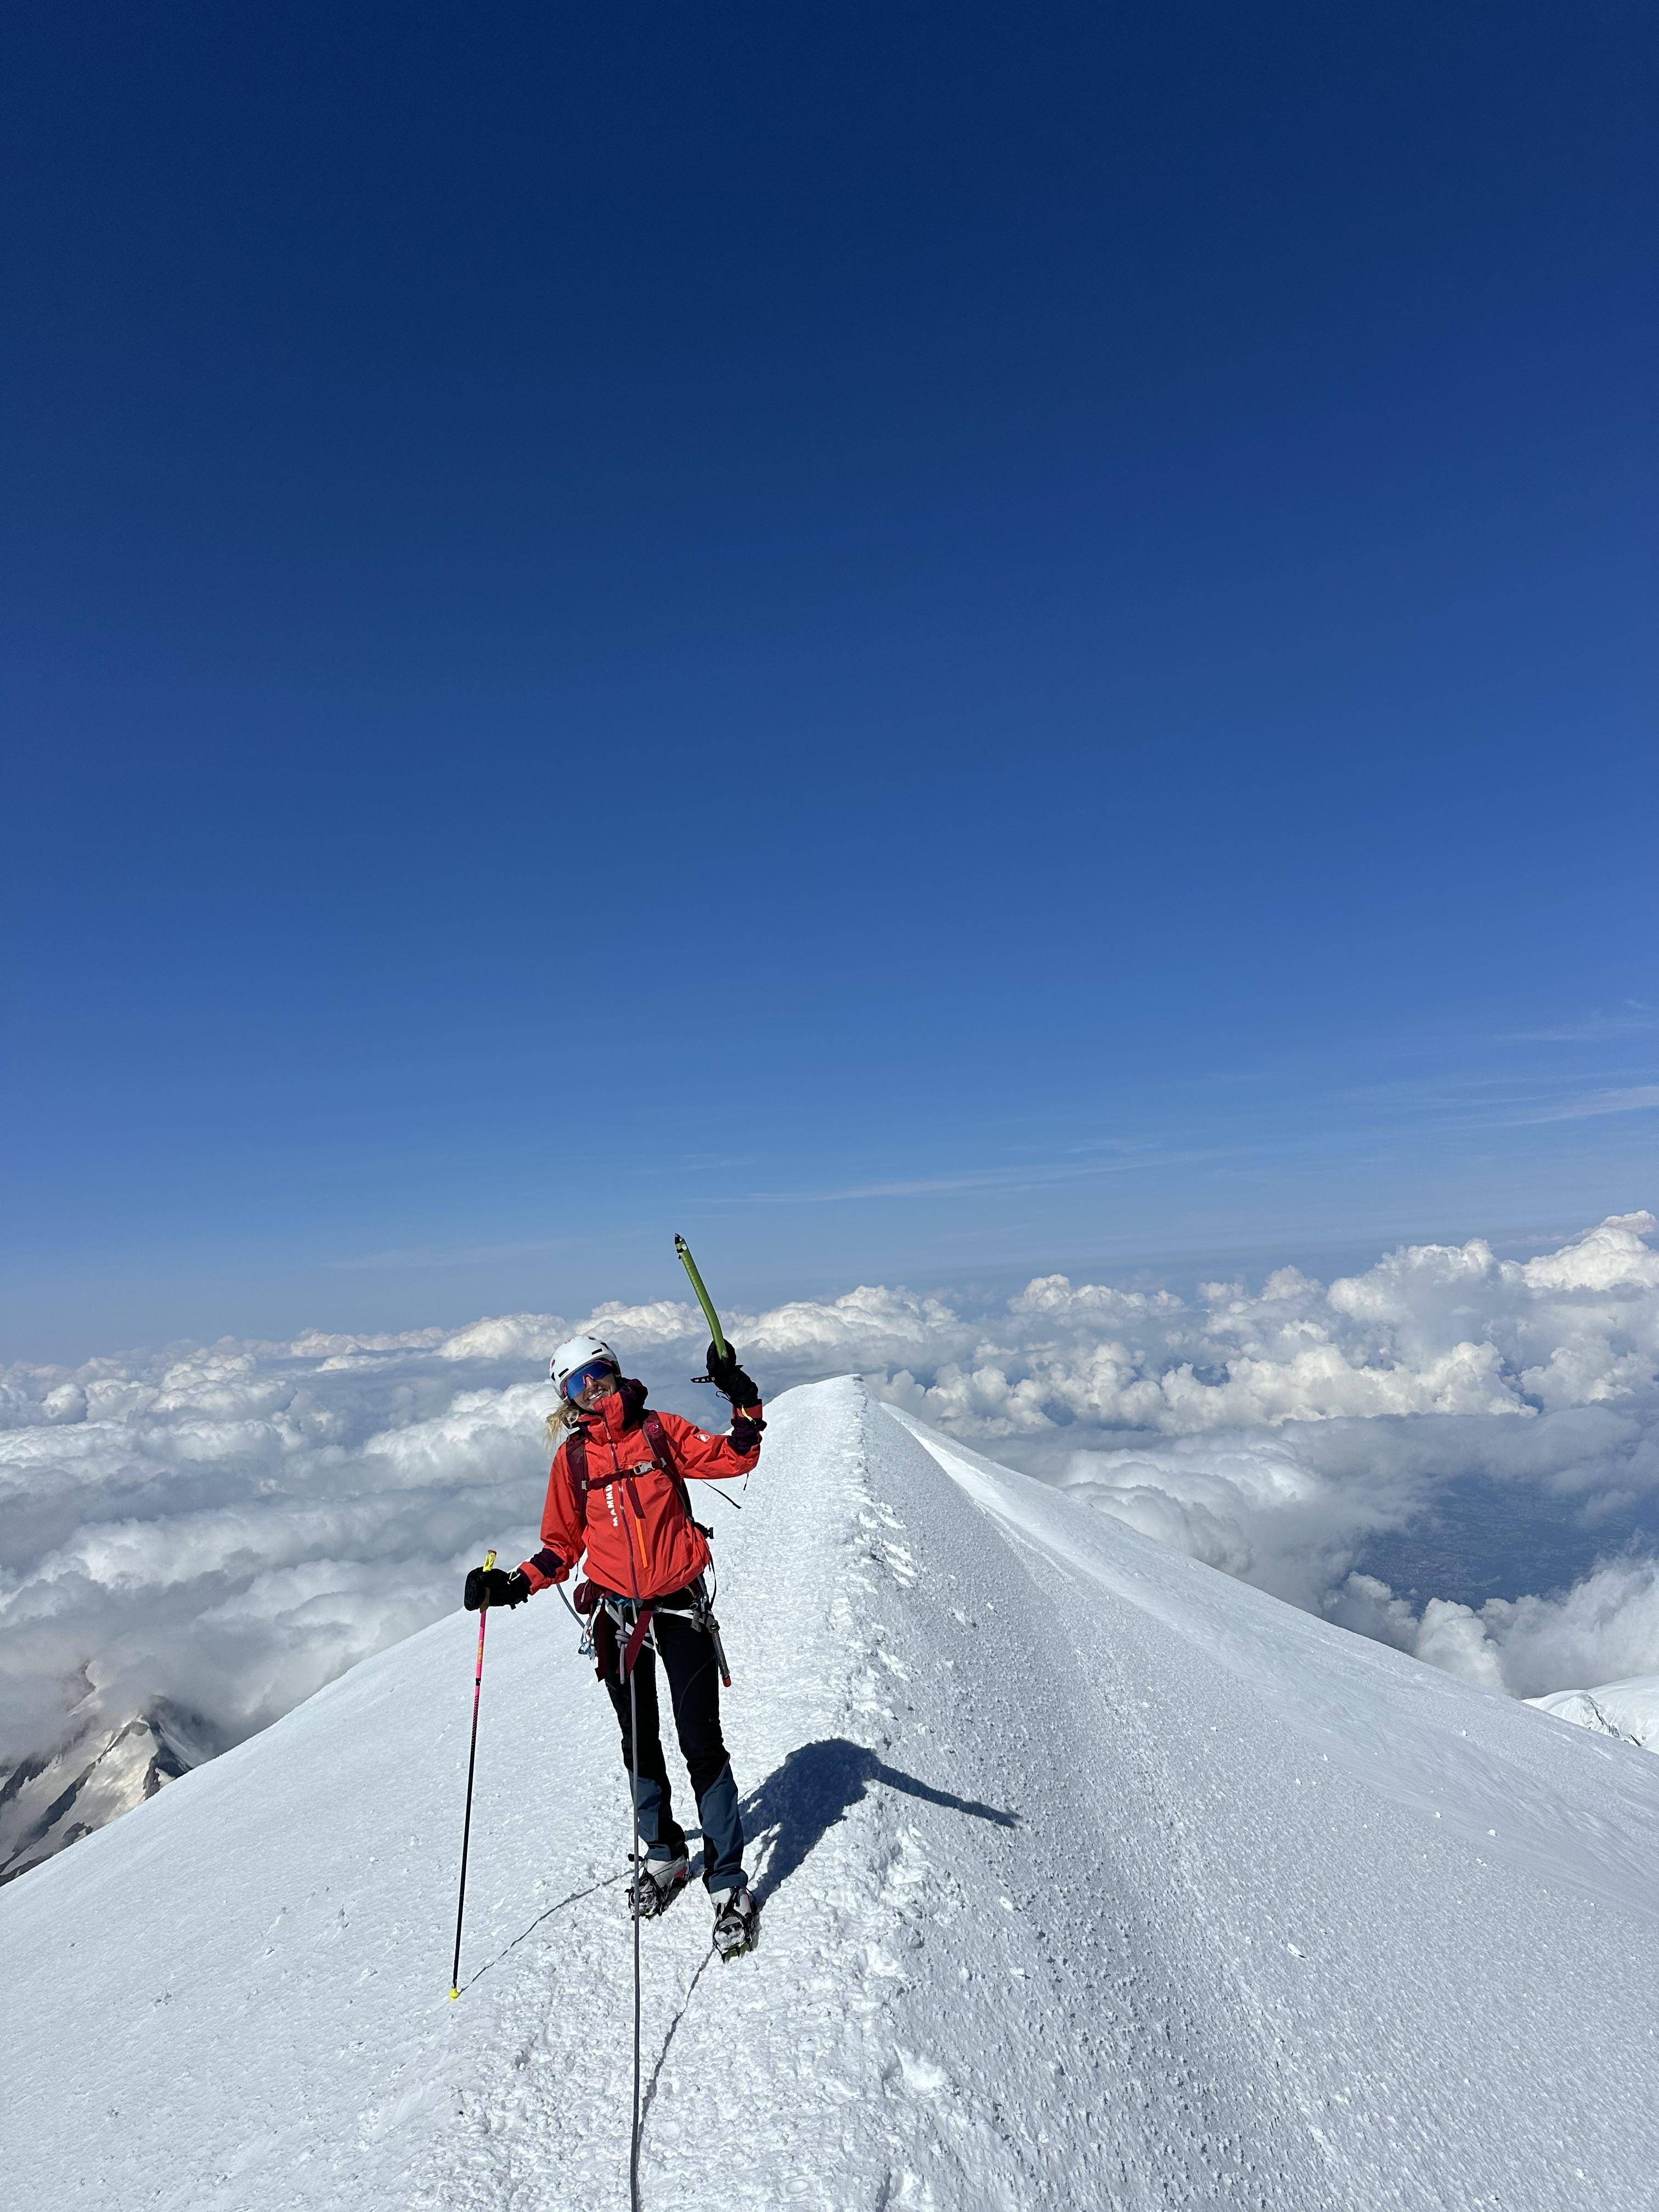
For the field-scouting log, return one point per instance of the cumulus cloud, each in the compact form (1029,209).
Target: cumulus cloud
(1604,1628)
(1283,1430)
(1430,1329)
(222,1528)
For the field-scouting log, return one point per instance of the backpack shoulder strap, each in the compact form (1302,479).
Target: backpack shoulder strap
(651,1422)
(576,1458)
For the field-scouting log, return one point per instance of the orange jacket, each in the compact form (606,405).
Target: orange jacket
(630,1519)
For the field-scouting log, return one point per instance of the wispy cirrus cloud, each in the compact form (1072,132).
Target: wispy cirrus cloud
(1080,1163)
(447,1255)
(1632,1098)
(1633,1018)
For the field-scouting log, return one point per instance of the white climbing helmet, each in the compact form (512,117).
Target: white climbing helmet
(575,1354)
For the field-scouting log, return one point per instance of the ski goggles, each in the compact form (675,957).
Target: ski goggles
(579,1377)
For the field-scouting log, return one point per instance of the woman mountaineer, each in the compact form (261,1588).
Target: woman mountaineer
(617,1491)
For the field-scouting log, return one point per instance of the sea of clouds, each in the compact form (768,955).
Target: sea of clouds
(227,1527)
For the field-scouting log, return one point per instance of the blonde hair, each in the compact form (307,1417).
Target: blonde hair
(562,1417)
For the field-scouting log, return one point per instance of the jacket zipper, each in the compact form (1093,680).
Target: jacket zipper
(635,1518)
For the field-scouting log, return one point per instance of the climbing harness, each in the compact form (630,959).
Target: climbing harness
(633,1624)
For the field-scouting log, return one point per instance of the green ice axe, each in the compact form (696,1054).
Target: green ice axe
(703,1298)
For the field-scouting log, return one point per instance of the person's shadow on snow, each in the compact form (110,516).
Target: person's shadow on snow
(817,1786)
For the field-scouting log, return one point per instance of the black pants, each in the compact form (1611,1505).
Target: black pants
(694,1685)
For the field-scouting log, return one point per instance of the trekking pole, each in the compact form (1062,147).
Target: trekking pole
(634,1744)
(703,1298)
(630,1668)
(472,1761)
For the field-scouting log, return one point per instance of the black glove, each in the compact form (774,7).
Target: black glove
(745,1432)
(730,1380)
(494,1586)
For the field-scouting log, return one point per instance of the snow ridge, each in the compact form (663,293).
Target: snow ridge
(1091,1877)
(1629,1711)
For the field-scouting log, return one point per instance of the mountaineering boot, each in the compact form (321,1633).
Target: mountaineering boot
(656,1885)
(737,1922)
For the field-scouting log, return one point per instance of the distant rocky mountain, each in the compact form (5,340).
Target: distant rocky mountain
(47,1804)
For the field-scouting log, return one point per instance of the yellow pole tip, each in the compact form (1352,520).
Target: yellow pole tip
(454,1993)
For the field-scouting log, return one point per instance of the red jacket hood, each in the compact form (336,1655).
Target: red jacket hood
(617,1412)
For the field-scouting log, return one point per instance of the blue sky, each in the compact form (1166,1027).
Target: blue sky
(918,642)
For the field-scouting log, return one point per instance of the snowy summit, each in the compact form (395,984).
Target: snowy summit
(1092,1878)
